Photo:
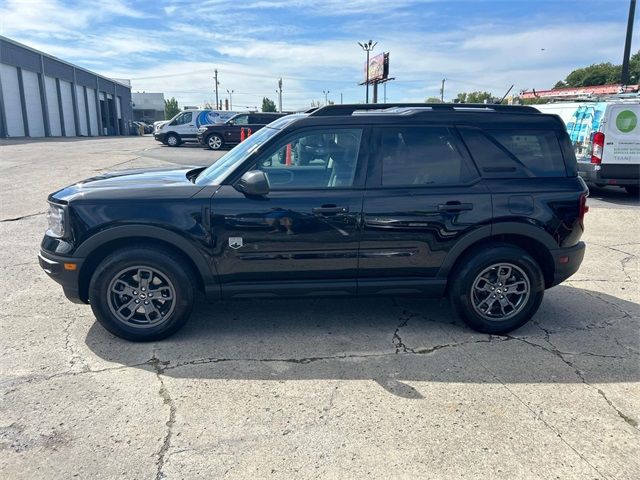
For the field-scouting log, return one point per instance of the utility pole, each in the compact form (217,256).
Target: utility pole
(280,95)
(367,47)
(624,76)
(326,93)
(230,92)
(216,80)
(442,90)
(340,98)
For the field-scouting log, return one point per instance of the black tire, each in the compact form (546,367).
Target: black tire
(214,142)
(633,190)
(114,272)
(467,290)
(173,140)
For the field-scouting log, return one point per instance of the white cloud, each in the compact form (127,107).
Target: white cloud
(252,48)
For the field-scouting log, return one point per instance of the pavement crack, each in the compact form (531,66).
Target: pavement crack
(397,340)
(159,368)
(561,355)
(76,358)
(631,421)
(16,219)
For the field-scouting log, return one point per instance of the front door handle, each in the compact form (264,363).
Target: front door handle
(454,207)
(330,209)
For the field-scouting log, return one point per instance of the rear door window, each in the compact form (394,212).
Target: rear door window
(422,156)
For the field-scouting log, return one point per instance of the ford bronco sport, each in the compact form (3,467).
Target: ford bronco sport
(482,203)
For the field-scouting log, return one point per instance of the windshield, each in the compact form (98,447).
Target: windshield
(215,173)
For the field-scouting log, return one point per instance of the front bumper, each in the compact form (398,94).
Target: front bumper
(566,261)
(159,137)
(60,269)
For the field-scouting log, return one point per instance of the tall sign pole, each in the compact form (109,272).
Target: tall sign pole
(624,76)
(280,95)
(216,80)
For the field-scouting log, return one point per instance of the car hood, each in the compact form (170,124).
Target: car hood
(139,183)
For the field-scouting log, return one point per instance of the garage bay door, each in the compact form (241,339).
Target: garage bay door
(11,97)
(52,106)
(33,103)
(67,109)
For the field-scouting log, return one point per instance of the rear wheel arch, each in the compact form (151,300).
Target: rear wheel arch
(97,249)
(538,247)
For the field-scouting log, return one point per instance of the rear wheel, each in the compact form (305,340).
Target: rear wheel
(141,294)
(214,142)
(173,140)
(496,289)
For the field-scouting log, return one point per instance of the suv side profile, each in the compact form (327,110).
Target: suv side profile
(481,203)
(227,134)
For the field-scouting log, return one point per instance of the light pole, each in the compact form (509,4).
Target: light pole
(326,93)
(230,92)
(368,47)
(624,74)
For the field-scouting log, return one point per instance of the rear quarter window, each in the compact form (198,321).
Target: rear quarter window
(515,153)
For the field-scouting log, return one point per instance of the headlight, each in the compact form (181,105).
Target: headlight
(202,129)
(55,218)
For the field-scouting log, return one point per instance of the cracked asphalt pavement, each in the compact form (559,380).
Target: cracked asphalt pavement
(322,388)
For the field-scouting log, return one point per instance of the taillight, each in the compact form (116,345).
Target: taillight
(596,149)
(584,208)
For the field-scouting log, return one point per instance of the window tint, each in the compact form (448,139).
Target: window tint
(422,156)
(515,153)
(538,151)
(241,120)
(493,160)
(314,159)
(184,118)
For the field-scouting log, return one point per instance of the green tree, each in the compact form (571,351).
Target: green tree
(268,105)
(171,108)
(601,74)
(433,100)
(475,97)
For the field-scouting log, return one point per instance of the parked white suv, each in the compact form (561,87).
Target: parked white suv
(184,126)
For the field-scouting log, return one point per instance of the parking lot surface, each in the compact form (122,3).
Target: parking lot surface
(323,388)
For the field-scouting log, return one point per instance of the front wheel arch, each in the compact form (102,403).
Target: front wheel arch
(100,248)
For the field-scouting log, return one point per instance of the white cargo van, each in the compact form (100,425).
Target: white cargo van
(606,140)
(184,126)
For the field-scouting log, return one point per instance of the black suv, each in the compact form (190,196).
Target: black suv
(229,133)
(479,202)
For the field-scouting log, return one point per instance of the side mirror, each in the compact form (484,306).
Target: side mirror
(253,183)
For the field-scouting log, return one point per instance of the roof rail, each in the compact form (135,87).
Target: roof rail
(348,109)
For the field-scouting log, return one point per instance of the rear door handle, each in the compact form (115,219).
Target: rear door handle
(330,209)
(454,207)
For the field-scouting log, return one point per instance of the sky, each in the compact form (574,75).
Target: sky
(173,46)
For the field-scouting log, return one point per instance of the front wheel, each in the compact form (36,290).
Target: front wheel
(496,289)
(141,294)
(214,142)
(173,140)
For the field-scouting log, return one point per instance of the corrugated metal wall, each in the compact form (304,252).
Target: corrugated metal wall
(43,96)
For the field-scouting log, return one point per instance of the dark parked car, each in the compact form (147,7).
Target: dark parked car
(478,202)
(228,134)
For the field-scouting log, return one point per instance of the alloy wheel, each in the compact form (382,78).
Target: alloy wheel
(500,291)
(141,297)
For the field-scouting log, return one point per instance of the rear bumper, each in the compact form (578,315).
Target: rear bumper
(566,262)
(54,266)
(609,174)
